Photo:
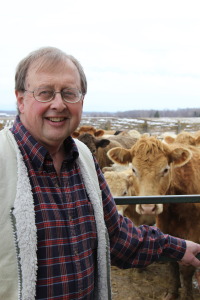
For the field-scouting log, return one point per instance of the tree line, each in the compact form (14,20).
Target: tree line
(179,113)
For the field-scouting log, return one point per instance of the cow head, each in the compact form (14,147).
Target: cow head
(88,129)
(152,165)
(120,184)
(183,137)
(92,142)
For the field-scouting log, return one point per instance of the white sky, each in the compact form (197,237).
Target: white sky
(136,54)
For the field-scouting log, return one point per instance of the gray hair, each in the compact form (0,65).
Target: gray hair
(47,56)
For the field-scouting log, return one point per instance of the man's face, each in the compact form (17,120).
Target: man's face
(52,122)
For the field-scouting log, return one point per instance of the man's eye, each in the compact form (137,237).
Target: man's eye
(69,94)
(45,92)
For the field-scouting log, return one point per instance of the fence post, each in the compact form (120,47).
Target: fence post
(178,127)
(145,126)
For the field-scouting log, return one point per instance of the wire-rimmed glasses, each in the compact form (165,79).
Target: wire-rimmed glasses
(70,95)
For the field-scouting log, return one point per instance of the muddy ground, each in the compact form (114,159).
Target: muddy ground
(149,284)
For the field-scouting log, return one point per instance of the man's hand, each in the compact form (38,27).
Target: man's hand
(189,258)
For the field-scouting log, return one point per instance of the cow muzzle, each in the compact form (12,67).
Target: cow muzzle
(149,209)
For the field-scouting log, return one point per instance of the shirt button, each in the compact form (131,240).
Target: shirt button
(70,218)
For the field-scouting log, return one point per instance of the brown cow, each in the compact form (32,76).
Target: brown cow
(162,169)
(100,146)
(88,129)
(125,141)
(121,184)
(184,137)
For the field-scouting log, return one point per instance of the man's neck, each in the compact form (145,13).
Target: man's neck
(58,158)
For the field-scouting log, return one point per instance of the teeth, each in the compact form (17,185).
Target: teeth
(56,119)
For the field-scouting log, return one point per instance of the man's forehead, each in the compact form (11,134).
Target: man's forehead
(52,65)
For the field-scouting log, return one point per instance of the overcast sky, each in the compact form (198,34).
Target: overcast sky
(136,54)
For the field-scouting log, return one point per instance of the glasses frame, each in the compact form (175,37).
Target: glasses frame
(54,93)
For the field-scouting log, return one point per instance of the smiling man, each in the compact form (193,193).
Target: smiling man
(50,122)
(59,226)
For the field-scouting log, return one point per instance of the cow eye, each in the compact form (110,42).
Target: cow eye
(134,171)
(124,193)
(165,171)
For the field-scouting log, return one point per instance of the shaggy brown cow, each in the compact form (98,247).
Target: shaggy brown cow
(184,137)
(161,169)
(121,184)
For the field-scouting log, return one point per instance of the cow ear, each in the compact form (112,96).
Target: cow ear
(120,155)
(102,143)
(180,156)
(192,140)
(197,141)
(169,139)
(107,169)
(75,134)
(99,132)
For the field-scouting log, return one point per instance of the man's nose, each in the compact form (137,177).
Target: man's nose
(58,101)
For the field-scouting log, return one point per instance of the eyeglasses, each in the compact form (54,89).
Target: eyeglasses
(69,95)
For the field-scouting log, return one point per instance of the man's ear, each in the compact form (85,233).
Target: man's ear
(20,100)
(83,100)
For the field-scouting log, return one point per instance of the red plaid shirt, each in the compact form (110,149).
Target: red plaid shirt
(66,230)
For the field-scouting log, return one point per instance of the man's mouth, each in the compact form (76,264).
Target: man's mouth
(56,119)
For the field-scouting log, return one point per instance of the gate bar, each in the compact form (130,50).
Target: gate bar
(157,199)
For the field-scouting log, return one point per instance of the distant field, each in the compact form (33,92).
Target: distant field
(154,126)
(6,121)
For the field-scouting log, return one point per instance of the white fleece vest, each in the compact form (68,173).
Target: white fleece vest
(18,261)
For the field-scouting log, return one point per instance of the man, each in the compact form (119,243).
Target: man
(56,209)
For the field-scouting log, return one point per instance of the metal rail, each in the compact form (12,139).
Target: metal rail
(157,199)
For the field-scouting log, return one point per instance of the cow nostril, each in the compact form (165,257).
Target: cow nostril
(148,209)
